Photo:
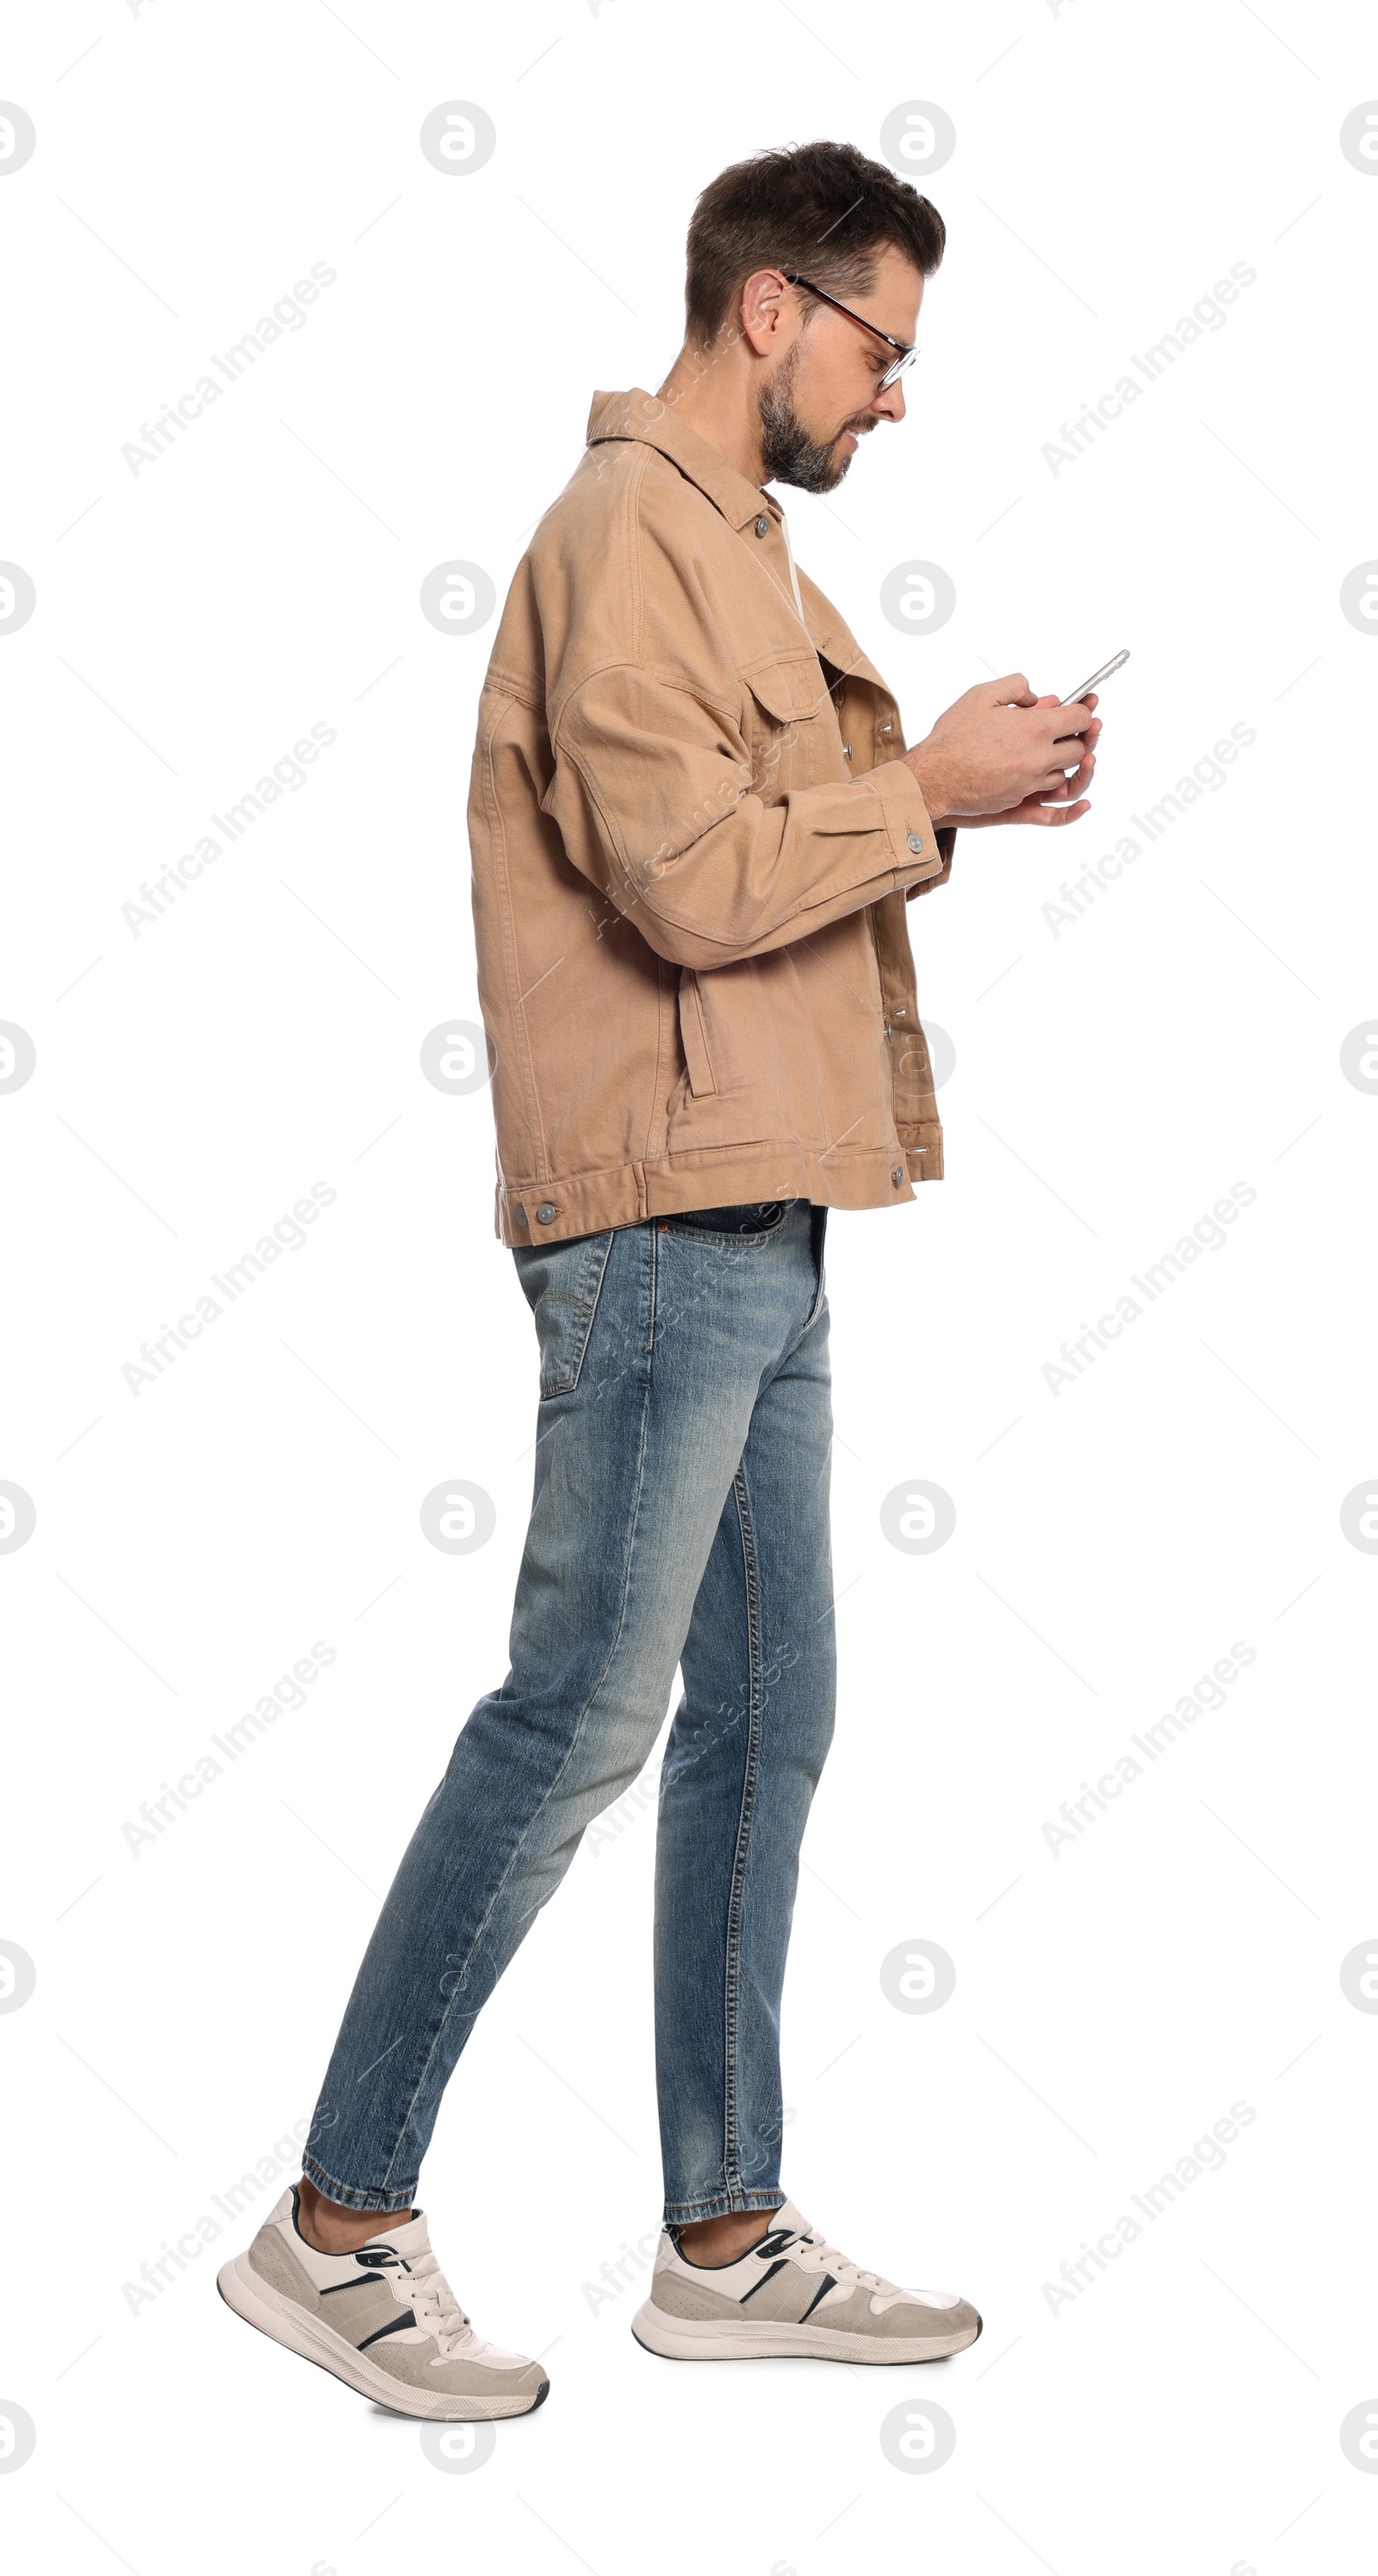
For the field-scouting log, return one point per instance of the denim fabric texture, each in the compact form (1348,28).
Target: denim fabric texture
(679,1517)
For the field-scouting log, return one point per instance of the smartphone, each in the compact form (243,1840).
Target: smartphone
(1095,680)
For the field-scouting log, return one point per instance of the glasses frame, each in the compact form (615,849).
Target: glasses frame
(907,353)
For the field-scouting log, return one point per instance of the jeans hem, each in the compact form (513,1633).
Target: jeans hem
(719,2204)
(347,2197)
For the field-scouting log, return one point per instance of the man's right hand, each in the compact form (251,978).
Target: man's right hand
(1000,747)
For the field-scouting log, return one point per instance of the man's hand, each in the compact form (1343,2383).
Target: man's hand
(1001,755)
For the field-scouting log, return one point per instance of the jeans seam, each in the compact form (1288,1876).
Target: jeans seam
(570,1750)
(732,1977)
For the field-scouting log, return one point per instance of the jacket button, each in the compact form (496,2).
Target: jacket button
(520,1215)
(916,841)
(761,526)
(545,1213)
(898,1174)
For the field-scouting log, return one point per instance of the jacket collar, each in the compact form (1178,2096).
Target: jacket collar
(639,415)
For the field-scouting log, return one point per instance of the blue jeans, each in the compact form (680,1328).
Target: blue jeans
(680,1516)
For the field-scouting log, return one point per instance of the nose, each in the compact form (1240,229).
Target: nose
(890,404)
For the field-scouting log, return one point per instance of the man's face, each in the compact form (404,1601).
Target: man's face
(821,398)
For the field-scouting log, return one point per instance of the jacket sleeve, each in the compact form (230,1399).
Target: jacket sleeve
(652,795)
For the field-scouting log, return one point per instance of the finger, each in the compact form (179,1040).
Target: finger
(1078,717)
(1013,690)
(1059,782)
(1032,810)
(1036,811)
(1078,747)
(1073,720)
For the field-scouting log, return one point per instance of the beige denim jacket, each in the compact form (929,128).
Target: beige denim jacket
(692,843)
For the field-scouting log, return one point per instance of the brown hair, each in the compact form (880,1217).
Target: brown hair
(821,208)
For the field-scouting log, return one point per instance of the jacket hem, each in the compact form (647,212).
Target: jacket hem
(720,1176)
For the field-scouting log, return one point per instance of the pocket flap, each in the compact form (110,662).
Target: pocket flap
(787,685)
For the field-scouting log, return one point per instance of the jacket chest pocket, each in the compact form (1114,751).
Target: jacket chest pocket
(790,726)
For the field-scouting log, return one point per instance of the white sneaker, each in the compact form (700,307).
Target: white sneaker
(383,2318)
(793,2293)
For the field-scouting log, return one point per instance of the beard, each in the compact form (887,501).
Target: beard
(790,454)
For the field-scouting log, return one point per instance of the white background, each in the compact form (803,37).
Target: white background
(1112,1082)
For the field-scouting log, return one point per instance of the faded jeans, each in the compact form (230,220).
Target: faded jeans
(679,1517)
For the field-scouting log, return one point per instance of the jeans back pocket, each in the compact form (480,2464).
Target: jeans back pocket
(561,1283)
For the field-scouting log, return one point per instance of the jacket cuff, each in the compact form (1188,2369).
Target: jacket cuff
(915,855)
(947,842)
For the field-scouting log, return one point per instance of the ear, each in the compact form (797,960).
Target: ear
(765,312)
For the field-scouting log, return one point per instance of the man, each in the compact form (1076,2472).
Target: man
(694,831)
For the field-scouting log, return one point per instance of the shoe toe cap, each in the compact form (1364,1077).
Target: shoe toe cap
(499,2385)
(957,2322)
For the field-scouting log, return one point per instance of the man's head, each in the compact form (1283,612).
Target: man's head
(855,231)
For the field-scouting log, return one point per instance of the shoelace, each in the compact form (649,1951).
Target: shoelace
(830,2258)
(434,2305)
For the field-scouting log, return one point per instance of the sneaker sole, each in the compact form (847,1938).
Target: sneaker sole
(260,2305)
(705,2339)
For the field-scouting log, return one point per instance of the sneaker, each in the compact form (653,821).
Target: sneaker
(383,2318)
(790,2294)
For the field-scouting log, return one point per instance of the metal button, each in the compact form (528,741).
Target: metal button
(897,1175)
(915,841)
(846,751)
(520,1215)
(761,526)
(545,1213)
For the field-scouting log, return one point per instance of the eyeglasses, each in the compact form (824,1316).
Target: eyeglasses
(906,354)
